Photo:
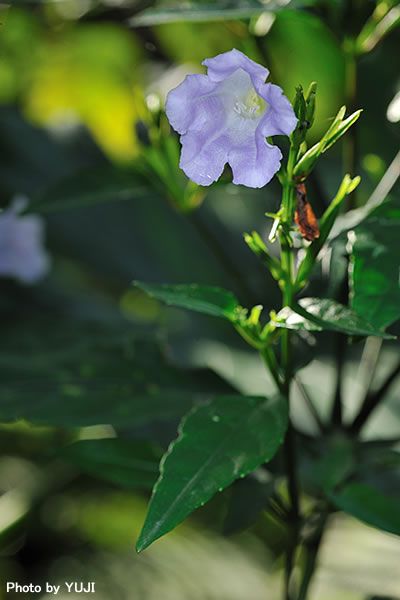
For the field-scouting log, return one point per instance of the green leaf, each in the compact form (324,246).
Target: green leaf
(383,20)
(319,314)
(249,498)
(208,300)
(369,505)
(341,130)
(127,463)
(92,186)
(335,463)
(332,135)
(375,274)
(218,442)
(74,376)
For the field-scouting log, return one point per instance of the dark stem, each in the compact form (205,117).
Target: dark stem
(373,400)
(340,351)
(368,364)
(310,405)
(290,456)
(340,346)
(311,548)
(293,516)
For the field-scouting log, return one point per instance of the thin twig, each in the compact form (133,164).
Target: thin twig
(373,400)
(310,405)
(340,351)
(368,364)
(311,547)
(294,513)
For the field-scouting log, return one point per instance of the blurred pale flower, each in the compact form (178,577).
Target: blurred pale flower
(22,255)
(225,116)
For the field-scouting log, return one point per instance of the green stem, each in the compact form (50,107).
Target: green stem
(289,445)
(269,358)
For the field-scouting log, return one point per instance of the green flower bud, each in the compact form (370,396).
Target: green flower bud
(310,104)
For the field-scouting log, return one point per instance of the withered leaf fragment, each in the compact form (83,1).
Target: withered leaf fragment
(304,215)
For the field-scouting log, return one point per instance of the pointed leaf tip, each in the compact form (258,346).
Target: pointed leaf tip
(218,442)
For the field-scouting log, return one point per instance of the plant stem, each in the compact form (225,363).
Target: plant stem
(340,345)
(311,548)
(367,367)
(269,358)
(290,459)
(373,400)
(310,405)
(288,291)
(340,351)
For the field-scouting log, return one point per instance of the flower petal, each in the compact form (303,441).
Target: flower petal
(280,118)
(221,66)
(182,104)
(203,158)
(21,252)
(255,162)
(222,118)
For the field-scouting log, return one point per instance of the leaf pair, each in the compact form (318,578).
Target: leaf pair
(312,314)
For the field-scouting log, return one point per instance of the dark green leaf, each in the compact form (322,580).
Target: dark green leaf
(375,273)
(208,300)
(336,462)
(249,498)
(90,375)
(319,314)
(369,505)
(126,463)
(92,186)
(218,442)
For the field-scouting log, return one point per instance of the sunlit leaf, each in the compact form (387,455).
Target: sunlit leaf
(320,314)
(205,299)
(218,442)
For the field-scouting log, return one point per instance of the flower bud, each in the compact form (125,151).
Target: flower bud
(310,104)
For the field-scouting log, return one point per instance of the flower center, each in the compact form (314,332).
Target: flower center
(250,106)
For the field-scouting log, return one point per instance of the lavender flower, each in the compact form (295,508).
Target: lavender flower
(225,116)
(21,252)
